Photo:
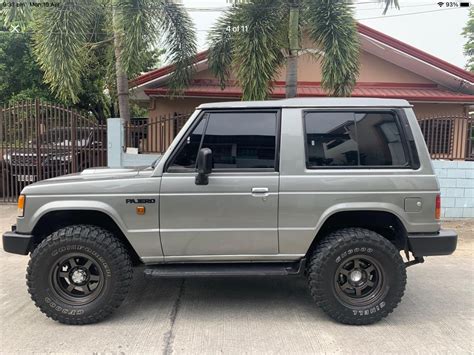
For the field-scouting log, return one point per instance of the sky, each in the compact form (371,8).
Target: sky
(431,28)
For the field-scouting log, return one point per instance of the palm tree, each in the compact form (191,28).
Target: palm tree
(258,37)
(64,34)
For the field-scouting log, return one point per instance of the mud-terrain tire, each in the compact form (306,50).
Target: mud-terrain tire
(356,276)
(79,274)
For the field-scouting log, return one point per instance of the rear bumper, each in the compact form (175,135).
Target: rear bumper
(16,243)
(442,243)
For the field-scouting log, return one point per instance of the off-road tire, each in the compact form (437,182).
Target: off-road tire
(339,249)
(108,258)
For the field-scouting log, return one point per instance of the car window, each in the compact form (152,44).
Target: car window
(186,158)
(379,140)
(356,139)
(242,140)
(331,139)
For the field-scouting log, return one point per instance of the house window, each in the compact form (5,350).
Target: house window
(357,139)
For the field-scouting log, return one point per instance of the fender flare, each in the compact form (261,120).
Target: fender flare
(361,206)
(356,207)
(78,205)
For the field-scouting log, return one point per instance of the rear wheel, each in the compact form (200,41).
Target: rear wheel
(356,276)
(79,274)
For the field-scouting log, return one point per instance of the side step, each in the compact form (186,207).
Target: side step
(228,269)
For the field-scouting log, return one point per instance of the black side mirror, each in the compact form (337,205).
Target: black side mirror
(204,166)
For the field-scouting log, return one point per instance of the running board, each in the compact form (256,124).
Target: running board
(228,269)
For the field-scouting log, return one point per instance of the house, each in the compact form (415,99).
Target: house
(440,92)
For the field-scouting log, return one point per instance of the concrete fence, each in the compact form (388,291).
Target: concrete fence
(456,180)
(116,155)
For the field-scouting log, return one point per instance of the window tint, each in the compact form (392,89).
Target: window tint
(353,139)
(379,140)
(331,139)
(245,140)
(186,157)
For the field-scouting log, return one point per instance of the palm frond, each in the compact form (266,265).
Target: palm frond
(60,36)
(257,49)
(388,4)
(179,41)
(333,28)
(220,47)
(138,28)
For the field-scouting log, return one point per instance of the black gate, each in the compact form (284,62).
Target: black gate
(40,140)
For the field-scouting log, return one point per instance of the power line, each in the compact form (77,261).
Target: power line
(198,30)
(70,7)
(410,13)
(402,8)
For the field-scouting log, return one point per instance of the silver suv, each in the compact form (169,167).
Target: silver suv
(330,189)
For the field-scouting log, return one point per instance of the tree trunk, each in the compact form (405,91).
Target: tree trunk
(292,60)
(121,75)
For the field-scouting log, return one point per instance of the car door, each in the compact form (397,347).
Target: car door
(235,214)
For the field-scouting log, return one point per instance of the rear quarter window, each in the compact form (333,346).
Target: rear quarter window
(354,139)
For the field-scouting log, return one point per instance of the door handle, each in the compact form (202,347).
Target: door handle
(260,190)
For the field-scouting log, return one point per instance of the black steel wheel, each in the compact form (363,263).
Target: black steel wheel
(356,276)
(77,278)
(360,281)
(79,274)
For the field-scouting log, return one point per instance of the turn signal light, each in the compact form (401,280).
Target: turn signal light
(21,205)
(438,207)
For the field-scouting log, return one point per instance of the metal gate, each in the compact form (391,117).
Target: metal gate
(40,140)
(449,137)
(155,134)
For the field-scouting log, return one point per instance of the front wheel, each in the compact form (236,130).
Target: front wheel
(356,276)
(79,274)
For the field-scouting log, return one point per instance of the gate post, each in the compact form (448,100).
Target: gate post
(38,139)
(115,142)
(73,141)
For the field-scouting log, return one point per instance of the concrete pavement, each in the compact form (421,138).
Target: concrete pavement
(248,315)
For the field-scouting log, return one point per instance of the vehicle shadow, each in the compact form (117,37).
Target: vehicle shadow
(204,296)
(275,298)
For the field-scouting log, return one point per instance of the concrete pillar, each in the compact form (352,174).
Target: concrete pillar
(115,142)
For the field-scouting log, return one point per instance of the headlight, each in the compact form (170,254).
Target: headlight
(7,157)
(21,205)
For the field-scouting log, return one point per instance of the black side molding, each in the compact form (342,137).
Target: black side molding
(17,243)
(442,243)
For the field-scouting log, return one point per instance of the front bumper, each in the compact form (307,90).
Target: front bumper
(442,243)
(17,243)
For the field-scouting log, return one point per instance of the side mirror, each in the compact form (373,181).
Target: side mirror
(204,166)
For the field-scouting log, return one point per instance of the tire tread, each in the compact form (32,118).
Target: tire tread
(323,254)
(103,239)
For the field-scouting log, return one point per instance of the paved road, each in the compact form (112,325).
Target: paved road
(248,315)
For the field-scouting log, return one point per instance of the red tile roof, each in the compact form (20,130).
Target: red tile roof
(158,73)
(364,30)
(408,91)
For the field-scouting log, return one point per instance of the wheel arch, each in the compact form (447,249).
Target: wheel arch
(384,221)
(56,218)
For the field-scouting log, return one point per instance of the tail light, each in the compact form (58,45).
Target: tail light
(438,207)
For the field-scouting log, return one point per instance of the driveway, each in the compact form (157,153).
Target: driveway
(248,315)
